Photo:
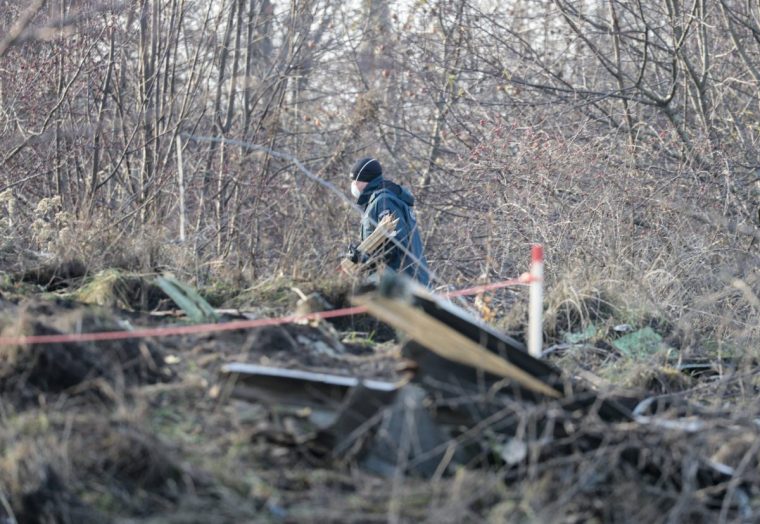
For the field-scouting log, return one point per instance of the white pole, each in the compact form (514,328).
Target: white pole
(536,307)
(181,183)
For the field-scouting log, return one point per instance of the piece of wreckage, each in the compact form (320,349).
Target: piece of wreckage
(372,249)
(466,386)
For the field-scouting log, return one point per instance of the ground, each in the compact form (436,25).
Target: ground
(145,430)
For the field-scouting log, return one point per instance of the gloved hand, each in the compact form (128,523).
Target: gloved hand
(356,255)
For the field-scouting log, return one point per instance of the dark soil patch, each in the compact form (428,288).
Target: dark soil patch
(53,276)
(113,466)
(52,502)
(28,371)
(129,459)
(367,326)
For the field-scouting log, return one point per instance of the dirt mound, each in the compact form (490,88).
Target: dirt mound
(52,501)
(129,460)
(88,468)
(114,288)
(27,371)
(54,275)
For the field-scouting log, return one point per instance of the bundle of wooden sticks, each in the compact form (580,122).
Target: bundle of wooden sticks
(374,246)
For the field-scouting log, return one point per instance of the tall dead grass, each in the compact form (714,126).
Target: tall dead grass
(613,231)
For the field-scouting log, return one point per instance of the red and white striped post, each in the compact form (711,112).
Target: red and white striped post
(536,305)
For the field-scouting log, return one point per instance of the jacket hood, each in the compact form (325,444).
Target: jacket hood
(380,184)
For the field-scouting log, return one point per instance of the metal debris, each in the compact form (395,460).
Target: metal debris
(473,393)
(339,407)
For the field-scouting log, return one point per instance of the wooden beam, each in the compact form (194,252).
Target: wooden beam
(448,343)
(373,244)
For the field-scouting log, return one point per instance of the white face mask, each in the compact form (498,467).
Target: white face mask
(355,190)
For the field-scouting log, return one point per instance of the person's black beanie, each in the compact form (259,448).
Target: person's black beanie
(366,169)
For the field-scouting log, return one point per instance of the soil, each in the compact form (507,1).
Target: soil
(53,276)
(30,372)
(132,429)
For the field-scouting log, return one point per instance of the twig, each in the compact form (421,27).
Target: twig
(730,225)
(11,518)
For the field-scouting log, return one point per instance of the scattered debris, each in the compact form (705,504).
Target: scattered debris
(187,298)
(703,368)
(94,433)
(582,336)
(320,391)
(644,341)
(289,339)
(471,385)
(337,407)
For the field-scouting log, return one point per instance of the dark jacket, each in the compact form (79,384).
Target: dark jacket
(381,197)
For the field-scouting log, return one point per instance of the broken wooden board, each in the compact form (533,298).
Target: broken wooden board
(385,229)
(457,354)
(373,245)
(462,350)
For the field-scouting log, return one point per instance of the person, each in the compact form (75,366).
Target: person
(379,197)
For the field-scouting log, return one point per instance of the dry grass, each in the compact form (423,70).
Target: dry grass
(171,452)
(616,254)
(657,230)
(114,288)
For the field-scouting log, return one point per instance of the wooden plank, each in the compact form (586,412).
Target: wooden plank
(374,244)
(455,335)
(449,343)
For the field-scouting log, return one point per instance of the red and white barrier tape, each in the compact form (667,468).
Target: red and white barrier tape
(226,326)
(522,280)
